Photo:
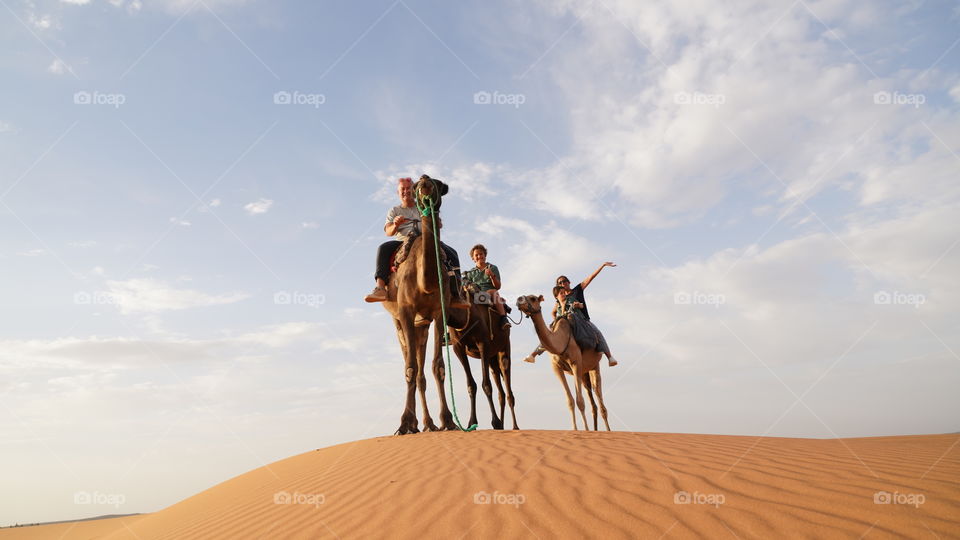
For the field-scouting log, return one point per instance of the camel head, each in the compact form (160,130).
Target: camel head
(429,187)
(529,304)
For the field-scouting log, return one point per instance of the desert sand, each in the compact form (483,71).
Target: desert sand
(546,484)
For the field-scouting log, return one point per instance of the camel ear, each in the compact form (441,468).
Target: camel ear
(540,298)
(443,188)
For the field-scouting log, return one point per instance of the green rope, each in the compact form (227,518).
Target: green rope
(427,210)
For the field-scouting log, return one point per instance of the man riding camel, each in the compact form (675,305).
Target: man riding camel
(403,221)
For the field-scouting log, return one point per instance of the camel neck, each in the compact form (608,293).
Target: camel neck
(554,341)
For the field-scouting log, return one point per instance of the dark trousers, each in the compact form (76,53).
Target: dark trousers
(387,248)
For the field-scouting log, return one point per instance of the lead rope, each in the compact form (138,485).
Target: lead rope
(427,210)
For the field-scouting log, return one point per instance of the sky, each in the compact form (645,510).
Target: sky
(192,193)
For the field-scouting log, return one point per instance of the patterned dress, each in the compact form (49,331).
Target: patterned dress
(585,333)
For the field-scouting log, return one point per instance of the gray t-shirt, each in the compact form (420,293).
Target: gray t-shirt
(412,224)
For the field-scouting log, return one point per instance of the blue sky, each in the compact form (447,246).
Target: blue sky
(787,167)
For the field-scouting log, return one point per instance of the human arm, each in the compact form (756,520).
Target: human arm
(494,274)
(391,227)
(584,283)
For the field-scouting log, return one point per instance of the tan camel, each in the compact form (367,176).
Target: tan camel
(481,336)
(414,289)
(568,357)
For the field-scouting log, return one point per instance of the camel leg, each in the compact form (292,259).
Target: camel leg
(505,370)
(488,387)
(576,362)
(422,336)
(497,373)
(593,404)
(440,374)
(598,386)
(566,388)
(461,351)
(408,421)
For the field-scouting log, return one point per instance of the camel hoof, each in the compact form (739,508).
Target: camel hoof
(497,424)
(406,430)
(449,427)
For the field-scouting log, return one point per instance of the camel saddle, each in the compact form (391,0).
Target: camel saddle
(401,254)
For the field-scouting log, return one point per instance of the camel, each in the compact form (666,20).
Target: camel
(481,336)
(414,289)
(568,357)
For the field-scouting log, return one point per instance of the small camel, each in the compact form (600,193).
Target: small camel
(414,289)
(481,336)
(568,357)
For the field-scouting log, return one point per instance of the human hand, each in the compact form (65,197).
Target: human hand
(399,220)
(608,263)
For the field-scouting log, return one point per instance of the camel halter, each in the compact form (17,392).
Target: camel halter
(428,210)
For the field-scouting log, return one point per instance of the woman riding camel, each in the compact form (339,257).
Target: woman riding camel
(584,331)
(576,294)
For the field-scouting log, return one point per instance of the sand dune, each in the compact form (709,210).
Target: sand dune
(573,484)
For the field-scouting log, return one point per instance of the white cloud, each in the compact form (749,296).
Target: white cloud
(258,207)
(58,67)
(6,127)
(77,2)
(530,256)
(33,252)
(310,225)
(794,107)
(82,243)
(152,295)
(42,22)
(181,222)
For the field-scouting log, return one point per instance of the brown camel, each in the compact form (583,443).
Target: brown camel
(481,336)
(568,357)
(414,289)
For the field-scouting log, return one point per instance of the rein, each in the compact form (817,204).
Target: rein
(429,210)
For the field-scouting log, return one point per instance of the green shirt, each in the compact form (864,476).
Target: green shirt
(480,278)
